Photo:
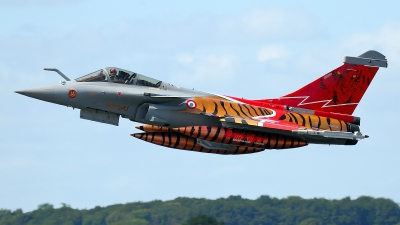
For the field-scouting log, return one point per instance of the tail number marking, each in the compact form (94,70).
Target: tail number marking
(114,106)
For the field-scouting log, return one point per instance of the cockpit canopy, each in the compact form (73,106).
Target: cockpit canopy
(121,76)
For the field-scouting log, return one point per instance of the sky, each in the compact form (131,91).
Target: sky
(250,49)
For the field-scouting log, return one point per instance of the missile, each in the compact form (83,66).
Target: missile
(184,142)
(241,137)
(332,134)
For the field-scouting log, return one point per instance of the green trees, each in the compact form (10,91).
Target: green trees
(233,210)
(203,220)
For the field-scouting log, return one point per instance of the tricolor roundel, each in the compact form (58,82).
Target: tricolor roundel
(191,104)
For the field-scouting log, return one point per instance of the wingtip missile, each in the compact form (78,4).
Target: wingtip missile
(332,134)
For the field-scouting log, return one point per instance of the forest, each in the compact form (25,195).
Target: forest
(233,210)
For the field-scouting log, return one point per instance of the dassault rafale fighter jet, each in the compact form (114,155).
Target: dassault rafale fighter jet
(181,118)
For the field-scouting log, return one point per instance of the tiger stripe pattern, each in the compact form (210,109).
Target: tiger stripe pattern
(241,138)
(181,141)
(240,121)
(222,108)
(153,128)
(315,122)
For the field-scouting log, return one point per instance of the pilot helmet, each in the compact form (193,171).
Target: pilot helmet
(112,71)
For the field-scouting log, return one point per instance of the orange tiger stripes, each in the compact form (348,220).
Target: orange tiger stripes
(153,128)
(223,108)
(240,137)
(181,141)
(313,121)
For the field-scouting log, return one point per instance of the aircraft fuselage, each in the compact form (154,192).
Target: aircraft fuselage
(181,118)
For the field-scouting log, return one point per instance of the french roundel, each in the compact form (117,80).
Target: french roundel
(191,104)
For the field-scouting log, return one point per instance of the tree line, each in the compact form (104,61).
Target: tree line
(233,210)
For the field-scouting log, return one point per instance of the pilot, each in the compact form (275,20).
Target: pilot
(113,74)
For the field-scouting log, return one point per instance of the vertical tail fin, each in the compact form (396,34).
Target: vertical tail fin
(340,90)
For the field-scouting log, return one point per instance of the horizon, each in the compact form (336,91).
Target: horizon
(63,204)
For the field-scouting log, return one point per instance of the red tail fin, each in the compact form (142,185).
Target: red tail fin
(340,90)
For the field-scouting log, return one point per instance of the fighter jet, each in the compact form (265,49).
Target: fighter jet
(182,118)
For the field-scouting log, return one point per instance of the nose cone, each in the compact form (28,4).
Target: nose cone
(43,93)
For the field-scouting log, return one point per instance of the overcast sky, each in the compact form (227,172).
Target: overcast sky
(251,49)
